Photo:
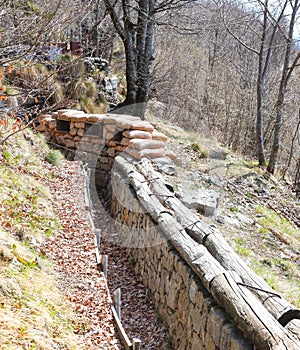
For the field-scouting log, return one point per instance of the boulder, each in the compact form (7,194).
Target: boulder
(165,165)
(202,200)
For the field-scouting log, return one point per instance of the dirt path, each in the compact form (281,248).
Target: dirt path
(139,317)
(73,254)
(84,286)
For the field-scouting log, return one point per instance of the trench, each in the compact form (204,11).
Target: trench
(138,314)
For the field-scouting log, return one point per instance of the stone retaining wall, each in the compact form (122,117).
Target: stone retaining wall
(195,320)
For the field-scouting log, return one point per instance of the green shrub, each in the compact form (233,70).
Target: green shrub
(54,157)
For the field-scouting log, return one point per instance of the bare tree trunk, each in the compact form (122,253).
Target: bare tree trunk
(286,73)
(136,28)
(292,148)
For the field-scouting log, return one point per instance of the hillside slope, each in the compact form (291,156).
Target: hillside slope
(43,304)
(258,214)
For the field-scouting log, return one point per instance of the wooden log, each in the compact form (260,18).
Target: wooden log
(117,302)
(98,238)
(214,241)
(136,344)
(90,217)
(98,258)
(208,270)
(86,194)
(196,255)
(123,336)
(104,263)
(250,316)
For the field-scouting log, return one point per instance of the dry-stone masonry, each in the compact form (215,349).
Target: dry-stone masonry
(99,138)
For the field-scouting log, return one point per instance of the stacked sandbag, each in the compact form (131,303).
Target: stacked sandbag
(120,133)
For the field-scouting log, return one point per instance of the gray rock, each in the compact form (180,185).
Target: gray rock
(165,165)
(214,181)
(244,219)
(204,201)
(232,221)
(217,153)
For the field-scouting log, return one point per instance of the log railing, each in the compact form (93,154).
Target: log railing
(255,308)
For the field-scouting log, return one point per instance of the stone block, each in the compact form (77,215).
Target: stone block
(196,342)
(110,127)
(69,143)
(78,118)
(238,342)
(59,139)
(107,135)
(225,337)
(119,148)
(165,165)
(209,343)
(216,320)
(172,294)
(79,125)
(77,138)
(41,128)
(80,132)
(111,152)
(202,200)
(73,132)
(196,319)
(97,141)
(193,292)
(68,136)
(111,143)
(52,124)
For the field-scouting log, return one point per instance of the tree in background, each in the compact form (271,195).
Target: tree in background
(290,62)
(224,77)
(274,29)
(30,31)
(135,23)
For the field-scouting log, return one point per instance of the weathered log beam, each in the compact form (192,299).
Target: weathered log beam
(213,240)
(250,316)
(247,311)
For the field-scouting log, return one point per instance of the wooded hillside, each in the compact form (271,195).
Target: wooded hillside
(224,68)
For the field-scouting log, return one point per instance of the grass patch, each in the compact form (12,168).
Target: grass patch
(54,157)
(285,285)
(241,247)
(33,313)
(272,222)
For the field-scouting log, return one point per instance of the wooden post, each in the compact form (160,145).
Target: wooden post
(117,302)
(136,344)
(104,263)
(98,238)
